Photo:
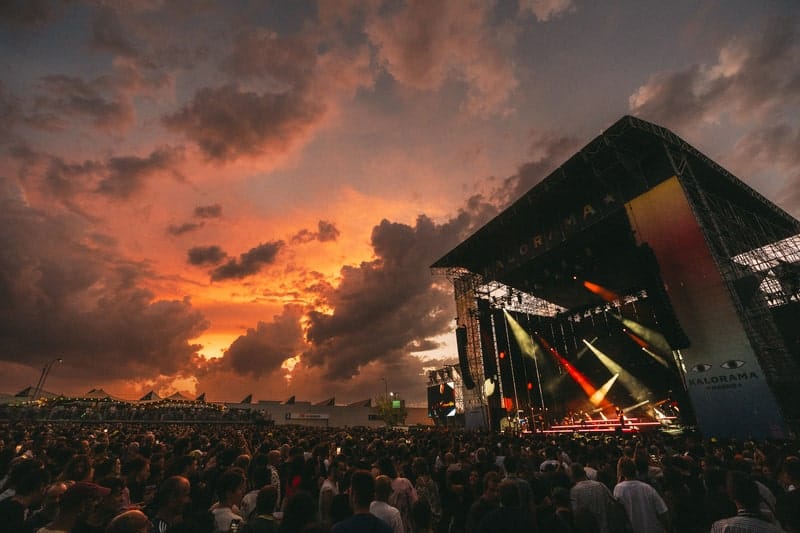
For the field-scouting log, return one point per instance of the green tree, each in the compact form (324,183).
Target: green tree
(392,410)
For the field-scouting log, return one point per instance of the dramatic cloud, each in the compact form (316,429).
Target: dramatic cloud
(549,150)
(206,255)
(227,122)
(752,79)
(67,97)
(186,227)
(383,309)
(264,349)
(249,263)
(208,211)
(126,175)
(424,44)
(326,232)
(64,293)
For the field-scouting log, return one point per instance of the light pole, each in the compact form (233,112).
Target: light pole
(386,387)
(43,376)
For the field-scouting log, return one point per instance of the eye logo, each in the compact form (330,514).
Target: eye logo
(701,367)
(732,364)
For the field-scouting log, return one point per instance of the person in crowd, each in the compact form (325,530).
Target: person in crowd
(257,478)
(133,521)
(300,512)
(49,508)
(172,499)
(788,504)
(28,495)
(403,492)
(380,505)
(488,501)
(645,508)
(744,492)
(329,489)
(264,520)
(75,505)
(427,489)
(588,495)
(512,516)
(421,517)
(109,506)
(362,492)
(230,487)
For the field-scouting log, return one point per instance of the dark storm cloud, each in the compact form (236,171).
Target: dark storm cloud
(326,231)
(60,297)
(227,122)
(109,34)
(186,227)
(28,13)
(264,349)
(208,211)
(385,308)
(64,179)
(249,263)
(206,255)
(97,100)
(126,175)
(753,78)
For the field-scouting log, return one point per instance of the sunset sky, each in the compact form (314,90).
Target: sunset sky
(239,197)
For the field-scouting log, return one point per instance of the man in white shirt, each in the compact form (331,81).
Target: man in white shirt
(646,510)
(381,508)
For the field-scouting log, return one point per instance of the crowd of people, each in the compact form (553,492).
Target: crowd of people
(134,477)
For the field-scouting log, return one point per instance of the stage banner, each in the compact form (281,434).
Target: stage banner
(726,385)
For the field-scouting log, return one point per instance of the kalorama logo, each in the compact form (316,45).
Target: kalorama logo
(730,378)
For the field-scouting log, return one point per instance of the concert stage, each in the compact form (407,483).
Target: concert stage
(637,274)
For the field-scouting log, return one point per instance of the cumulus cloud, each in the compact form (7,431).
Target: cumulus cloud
(60,296)
(263,349)
(424,44)
(383,309)
(127,175)
(206,255)
(548,150)
(259,53)
(753,78)
(227,122)
(208,211)
(326,231)
(249,263)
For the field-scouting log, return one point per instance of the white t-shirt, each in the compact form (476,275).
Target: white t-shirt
(388,514)
(222,519)
(643,505)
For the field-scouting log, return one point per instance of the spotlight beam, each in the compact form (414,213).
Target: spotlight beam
(579,378)
(636,388)
(602,292)
(598,397)
(652,337)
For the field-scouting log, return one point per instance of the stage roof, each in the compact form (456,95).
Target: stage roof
(574,223)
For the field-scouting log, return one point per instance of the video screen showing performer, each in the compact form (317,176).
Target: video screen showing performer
(442,400)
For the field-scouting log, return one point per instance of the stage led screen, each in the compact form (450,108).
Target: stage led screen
(442,400)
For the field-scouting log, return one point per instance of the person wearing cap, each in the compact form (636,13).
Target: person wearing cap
(133,521)
(77,502)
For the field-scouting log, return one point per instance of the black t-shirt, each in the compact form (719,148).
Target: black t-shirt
(362,523)
(12,516)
